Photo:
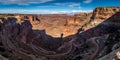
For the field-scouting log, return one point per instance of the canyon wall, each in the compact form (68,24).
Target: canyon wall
(79,19)
(100,14)
(57,24)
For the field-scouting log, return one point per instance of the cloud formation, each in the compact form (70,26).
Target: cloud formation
(87,1)
(44,11)
(23,2)
(69,4)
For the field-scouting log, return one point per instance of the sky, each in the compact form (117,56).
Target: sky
(53,6)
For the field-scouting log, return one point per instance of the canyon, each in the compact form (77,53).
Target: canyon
(83,36)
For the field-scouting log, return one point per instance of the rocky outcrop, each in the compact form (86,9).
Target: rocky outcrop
(100,14)
(79,19)
(3,58)
(114,55)
(34,19)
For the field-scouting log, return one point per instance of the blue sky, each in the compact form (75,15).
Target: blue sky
(53,6)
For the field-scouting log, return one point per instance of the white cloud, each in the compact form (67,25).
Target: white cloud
(87,1)
(44,11)
(70,4)
(74,5)
(23,2)
(47,6)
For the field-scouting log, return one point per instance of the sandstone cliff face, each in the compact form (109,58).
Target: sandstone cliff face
(79,19)
(100,14)
(75,22)
(34,19)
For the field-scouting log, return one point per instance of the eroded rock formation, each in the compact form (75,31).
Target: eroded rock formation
(100,14)
(79,19)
